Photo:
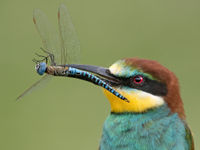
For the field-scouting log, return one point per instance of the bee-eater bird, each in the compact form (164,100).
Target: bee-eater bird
(148,114)
(146,108)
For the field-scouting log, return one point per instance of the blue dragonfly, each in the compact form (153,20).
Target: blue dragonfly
(64,45)
(63,51)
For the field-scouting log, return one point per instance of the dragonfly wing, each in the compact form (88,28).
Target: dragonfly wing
(51,43)
(70,45)
(48,34)
(32,87)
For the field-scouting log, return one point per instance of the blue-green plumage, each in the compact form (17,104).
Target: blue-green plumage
(157,129)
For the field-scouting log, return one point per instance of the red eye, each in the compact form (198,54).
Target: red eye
(138,79)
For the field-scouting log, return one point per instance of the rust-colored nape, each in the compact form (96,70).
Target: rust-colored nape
(164,75)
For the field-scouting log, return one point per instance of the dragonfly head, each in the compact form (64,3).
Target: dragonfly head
(41,68)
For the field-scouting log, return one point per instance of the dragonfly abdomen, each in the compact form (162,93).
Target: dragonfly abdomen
(84,75)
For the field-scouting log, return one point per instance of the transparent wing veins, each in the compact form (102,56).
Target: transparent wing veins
(48,34)
(70,45)
(33,86)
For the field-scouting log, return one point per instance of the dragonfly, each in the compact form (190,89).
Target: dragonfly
(63,53)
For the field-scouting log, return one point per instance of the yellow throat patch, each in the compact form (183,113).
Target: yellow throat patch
(140,101)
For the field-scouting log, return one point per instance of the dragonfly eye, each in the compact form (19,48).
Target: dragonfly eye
(41,68)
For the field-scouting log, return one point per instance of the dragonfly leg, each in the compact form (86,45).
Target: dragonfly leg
(36,61)
(44,57)
(41,60)
(40,55)
(50,55)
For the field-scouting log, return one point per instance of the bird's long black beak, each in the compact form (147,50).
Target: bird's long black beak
(101,77)
(103,73)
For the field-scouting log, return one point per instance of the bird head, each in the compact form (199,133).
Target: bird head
(145,84)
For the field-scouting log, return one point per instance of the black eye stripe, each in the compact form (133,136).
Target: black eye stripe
(151,86)
(154,87)
(148,85)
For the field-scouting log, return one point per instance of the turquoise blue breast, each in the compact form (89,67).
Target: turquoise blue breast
(154,130)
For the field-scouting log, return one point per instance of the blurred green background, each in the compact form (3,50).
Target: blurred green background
(68,113)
